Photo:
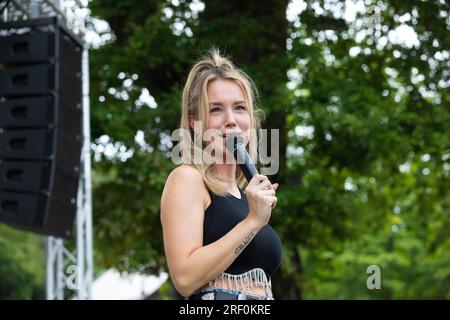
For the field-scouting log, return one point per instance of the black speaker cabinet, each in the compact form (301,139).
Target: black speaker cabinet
(40,126)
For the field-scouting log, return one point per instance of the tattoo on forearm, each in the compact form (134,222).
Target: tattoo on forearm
(244,243)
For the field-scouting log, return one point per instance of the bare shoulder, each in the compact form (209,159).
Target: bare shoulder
(185,175)
(185,182)
(185,172)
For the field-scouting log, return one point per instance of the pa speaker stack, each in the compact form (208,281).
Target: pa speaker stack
(40,125)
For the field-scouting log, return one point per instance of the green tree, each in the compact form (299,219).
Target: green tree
(22,265)
(365,154)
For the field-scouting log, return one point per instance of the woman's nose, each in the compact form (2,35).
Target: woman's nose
(230,121)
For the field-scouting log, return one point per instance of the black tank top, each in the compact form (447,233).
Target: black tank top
(222,215)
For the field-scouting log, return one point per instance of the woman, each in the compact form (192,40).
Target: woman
(217,241)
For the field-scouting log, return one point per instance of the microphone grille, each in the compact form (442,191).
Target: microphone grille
(233,140)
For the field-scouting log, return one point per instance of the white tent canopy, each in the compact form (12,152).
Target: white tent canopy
(111,285)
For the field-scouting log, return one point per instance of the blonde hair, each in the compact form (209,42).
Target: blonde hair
(195,104)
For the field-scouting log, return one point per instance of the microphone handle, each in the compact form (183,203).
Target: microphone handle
(245,163)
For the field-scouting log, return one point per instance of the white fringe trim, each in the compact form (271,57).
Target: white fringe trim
(255,278)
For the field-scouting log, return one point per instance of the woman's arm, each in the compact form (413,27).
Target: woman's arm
(192,265)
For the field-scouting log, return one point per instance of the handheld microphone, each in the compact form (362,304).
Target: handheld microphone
(235,143)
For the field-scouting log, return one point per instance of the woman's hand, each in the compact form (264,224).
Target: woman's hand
(261,199)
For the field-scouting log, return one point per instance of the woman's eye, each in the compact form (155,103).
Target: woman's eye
(214,110)
(240,108)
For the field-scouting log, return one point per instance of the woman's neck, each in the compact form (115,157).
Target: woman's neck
(227,172)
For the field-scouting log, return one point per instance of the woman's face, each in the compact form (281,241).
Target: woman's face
(228,110)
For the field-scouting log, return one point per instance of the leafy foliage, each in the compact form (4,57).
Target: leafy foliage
(364,137)
(22,262)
